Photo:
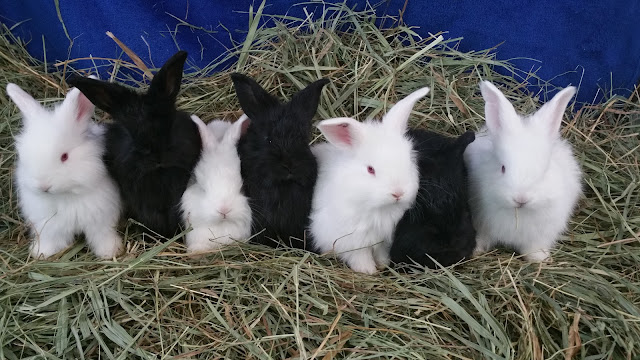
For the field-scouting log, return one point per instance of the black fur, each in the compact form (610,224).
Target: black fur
(151,147)
(439,223)
(278,169)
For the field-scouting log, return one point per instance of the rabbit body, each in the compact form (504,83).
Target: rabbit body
(367,179)
(62,183)
(278,168)
(524,180)
(439,224)
(214,204)
(151,147)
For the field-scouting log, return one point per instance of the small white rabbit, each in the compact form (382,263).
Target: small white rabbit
(367,179)
(524,181)
(214,204)
(62,182)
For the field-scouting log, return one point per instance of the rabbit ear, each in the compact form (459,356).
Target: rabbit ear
(237,129)
(461,143)
(499,114)
(398,116)
(208,140)
(166,83)
(344,133)
(106,96)
(305,102)
(254,100)
(29,106)
(77,107)
(551,113)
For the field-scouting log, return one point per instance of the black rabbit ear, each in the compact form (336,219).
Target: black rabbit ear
(166,83)
(464,140)
(104,95)
(305,102)
(254,100)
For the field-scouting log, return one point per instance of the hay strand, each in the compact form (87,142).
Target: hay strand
(250,302)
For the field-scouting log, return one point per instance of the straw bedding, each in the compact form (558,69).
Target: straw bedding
(251,302)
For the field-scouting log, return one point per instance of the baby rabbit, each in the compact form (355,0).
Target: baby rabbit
(524,180)
(63,185)
(214,205)
(439,223)
(367,179)
(278,167)
(152,147)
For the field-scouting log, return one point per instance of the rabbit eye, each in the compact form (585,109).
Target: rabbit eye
(64,157)
(371,170)
(503,169)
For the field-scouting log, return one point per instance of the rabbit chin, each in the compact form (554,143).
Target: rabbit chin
(524,204)
(390,206)
(214,236)
(56,190)
(228,221)
(234,223)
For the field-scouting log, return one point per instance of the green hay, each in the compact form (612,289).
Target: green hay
(250,302)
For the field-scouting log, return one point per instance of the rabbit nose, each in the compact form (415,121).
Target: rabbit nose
(45,188)
(224,211)
(520,201)
(397,194)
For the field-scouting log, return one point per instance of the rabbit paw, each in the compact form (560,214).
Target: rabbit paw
(538,256)
(362,261)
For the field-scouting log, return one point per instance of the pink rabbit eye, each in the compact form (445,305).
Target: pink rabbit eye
(503,169)
(64,157)
(371,170)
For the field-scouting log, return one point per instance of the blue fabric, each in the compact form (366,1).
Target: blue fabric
(596,42)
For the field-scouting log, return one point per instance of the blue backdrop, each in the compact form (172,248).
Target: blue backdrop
(594,44)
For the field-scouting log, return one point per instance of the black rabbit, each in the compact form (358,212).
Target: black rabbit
(439,223)
(278,168)
(151,147)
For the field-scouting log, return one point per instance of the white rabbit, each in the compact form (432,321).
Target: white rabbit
(62,183)
(214,204)
(219,127)
(367,179)
(524,181)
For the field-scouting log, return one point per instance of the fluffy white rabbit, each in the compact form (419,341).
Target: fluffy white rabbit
(62,182)
(367,179)
(524,181)
(214,204)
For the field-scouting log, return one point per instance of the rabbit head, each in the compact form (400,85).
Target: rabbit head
(149,117)
(279,135)
(218,172)
(378,158)
(442,170)
(59,149)
(523,146)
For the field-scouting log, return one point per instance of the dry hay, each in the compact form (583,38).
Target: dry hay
(251,302)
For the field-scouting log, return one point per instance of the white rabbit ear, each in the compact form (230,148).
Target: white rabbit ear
(550,114)
(398,116)
(342,132)
(29,106)
(208,140)
(498,111)
(78,107)
(237,129)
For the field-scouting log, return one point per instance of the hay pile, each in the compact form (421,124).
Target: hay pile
(251,302)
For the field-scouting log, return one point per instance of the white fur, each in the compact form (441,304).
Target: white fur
(81,197)
(218,185)
(354,213)
(540,171)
